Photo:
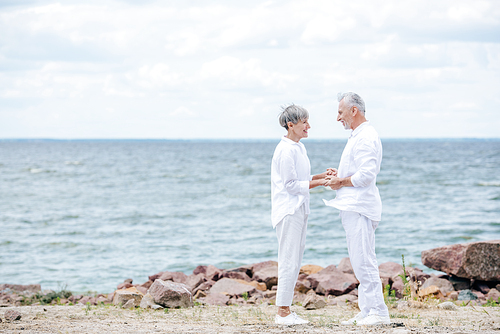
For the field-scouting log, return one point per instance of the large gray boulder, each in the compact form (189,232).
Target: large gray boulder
(171,294)
(474,260)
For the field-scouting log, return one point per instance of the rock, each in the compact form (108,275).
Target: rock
(475,260)
(453,295)
(313,301)
(213,273)
(466,295)
(493,294)
(255,284)
(86,299)
(398,287)
(269,294)
(205,286)
(232,287)
(147,284)
(122,297)
(303,286)
(310,269)
(131,303)
(217,299)
(481,286)
(20,289)
(431,290)
(124,286)
(177,277)
(155,276)
(148,302)
(247,269)
(12,315)
(459,283)
(236,275)
(128,280)
(200,294)
(193,281)
(267,275)
(479,294)
(391,268)
(332,281)
(345,266)
(171,294)
(261,265)
(444,285)
(141,289)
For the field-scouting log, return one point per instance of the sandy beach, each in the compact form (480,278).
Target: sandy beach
(242,319)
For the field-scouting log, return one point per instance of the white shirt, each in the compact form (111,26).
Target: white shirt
(290,176)
(361,161)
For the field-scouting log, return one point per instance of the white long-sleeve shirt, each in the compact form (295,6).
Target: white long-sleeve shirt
(361,161)
(290,176)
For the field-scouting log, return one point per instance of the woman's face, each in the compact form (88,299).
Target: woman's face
(298,131)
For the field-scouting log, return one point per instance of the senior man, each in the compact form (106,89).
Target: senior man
(360,206)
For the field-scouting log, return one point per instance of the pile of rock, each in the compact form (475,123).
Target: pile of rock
(472,273)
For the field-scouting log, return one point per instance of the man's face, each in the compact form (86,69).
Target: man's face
(344,116)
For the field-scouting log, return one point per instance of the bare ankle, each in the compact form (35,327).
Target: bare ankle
(283,311)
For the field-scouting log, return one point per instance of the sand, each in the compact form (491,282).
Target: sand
(242,319)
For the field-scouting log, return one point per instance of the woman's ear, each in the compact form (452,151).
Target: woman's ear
(290,125)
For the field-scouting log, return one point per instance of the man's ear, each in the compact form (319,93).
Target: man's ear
(354,111)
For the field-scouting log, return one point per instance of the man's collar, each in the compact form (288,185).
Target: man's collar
(359,129)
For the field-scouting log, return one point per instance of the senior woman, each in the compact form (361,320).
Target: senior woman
(290,183)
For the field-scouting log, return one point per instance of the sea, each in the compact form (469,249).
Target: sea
(84,215)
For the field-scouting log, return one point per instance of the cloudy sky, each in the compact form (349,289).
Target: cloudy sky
(222,69)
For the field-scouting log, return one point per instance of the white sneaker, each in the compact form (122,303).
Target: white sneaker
(374,319)
(291,319)
(357,318)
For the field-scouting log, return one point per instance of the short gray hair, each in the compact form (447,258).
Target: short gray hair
(352,100)
(293,114)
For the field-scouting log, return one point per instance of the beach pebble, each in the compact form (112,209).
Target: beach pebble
(12,315)
(448,306)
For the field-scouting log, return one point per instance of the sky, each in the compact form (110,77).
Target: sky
(186,69)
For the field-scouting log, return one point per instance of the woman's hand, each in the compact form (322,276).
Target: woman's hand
(331,172)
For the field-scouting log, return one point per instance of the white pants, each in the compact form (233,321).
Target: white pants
(360,235)
(291,232)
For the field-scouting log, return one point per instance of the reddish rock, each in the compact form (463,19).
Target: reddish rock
(332,281)
(205,286)
(247,269)
(131,296)
(213,273)
(390,269)
(444,285)
(200,270)
(177,277)
(310,269)
(398,286)
(86,299)
(236,275)
(128,280)
(267,275)
(303,286)
(481,286)
(216,299)
(155,276)
(23,289)
(193,281)
(493,294)
(232,288)
(345,266)
(12,315)
(147,284)
(344,299)
(171,294)
(141,289)
(261,265)
(313,301)
(124,286)
(475,260)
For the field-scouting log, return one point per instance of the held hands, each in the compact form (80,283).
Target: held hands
(332,180)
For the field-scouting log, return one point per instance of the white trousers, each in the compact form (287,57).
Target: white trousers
(291,233)
(360,235)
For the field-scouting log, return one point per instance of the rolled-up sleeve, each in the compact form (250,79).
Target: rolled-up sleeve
(366,160)
(288,174)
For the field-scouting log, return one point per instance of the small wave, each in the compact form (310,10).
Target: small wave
(75,163)
(489,184)
(35,170)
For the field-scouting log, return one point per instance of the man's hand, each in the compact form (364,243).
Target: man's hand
(333,182)
(331,171)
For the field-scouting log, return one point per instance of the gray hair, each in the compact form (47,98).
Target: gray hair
(352,100)
(293,114)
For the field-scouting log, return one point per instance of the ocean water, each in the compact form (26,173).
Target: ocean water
(86,215)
